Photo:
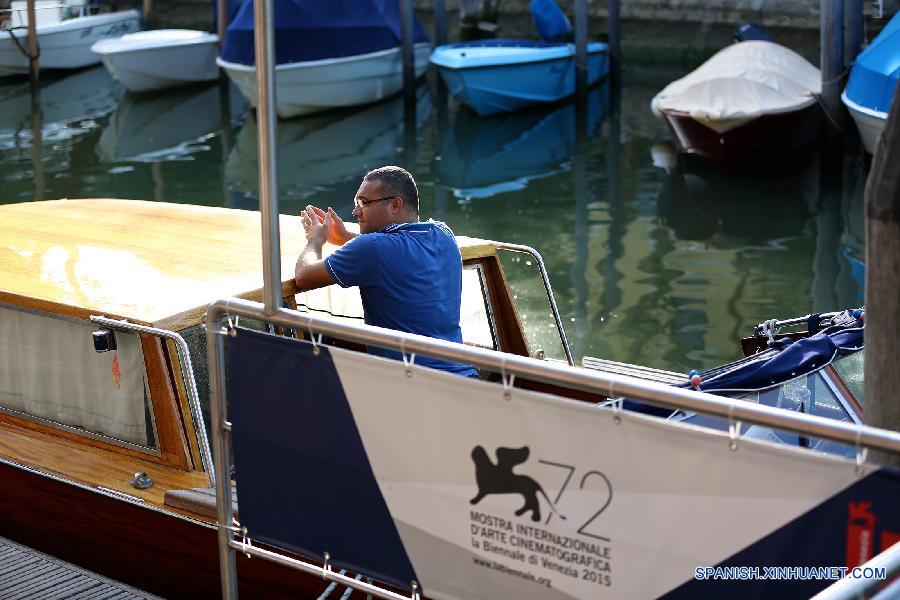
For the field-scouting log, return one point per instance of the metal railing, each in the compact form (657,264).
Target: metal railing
(608,384)
(547,288)
(190,382)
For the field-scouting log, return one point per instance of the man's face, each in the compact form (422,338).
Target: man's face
(375,210)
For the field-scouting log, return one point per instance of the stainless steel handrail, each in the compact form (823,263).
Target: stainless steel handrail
(760,328)
(190,382)
(547,287)
(850,589)
(609,384)
(325,572)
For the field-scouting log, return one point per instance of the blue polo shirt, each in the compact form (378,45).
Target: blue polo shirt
(410,279)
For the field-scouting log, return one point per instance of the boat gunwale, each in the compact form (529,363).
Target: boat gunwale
(65,26)
(322,62)
(524,62)
(149,46)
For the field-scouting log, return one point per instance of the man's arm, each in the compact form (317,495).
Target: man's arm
(310,271)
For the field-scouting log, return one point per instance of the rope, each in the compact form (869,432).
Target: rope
(825,110)
(19,45)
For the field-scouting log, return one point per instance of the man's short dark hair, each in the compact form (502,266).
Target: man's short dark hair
(397,181)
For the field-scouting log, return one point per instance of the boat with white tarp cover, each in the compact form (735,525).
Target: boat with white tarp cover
(753,101)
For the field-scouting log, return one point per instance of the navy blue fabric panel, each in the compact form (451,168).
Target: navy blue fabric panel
(803,356)
(829,535)
(308,30)
(304,481)
(231,10)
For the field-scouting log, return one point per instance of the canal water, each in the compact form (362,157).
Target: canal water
(651,262)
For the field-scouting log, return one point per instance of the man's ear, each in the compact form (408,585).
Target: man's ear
(397,204)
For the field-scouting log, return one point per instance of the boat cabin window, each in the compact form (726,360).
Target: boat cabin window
(476,318)
(530,299)
(50,373)
(851,368)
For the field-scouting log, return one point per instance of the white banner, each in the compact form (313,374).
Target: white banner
(536,495)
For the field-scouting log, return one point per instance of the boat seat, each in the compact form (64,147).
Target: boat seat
(197,500)
(646,373)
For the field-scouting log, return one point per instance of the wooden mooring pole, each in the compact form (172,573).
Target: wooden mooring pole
(409,65)
(148,11)
(440,22)
(615,46)
(853,30)
(882,368)
(32,44)
(221,20)
(581,34)
(831,49)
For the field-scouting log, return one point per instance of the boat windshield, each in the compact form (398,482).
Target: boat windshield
(808,394)
(851,369)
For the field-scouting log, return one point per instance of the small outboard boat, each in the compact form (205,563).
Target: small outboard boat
(163,58)
(494,76)
(329,53)
(752,101)
(873,79)
(65,31)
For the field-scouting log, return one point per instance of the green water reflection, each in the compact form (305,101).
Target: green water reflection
(650,264)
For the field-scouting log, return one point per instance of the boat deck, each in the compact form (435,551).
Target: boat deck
(26,573)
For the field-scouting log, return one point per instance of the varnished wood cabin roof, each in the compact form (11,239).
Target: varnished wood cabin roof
(149,262)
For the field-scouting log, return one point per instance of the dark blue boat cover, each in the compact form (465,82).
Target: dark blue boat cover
(786,360)
(319,29)
(783,361)
(873,77)
(551,23)
(231,10)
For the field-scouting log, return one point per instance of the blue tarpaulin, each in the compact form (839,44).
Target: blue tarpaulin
(308,30)
(551,23)
(874,75)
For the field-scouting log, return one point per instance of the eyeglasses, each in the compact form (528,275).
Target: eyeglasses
(361,202)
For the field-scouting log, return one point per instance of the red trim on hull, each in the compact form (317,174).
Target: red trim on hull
(771,137)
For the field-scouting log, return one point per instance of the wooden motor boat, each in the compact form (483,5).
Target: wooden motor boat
(68,476)
(104,459)
(65,41)
(754,101)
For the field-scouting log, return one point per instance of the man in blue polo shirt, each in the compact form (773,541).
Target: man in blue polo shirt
(409,272)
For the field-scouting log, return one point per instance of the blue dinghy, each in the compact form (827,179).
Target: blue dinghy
(873,79)
(494,76)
